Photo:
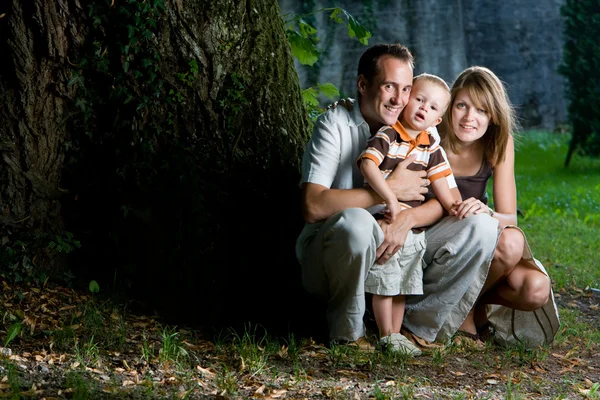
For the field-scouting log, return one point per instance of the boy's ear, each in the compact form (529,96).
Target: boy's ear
(437,121)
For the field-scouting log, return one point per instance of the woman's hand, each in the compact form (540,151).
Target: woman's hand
(470,206)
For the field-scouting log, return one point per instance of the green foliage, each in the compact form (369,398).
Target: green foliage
(12,332)
(303,42)
(172,349)
(23,257)
(560,208)
(94,287)
(581,67)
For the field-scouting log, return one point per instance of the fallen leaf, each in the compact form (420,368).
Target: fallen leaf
(205,371)
(353,374)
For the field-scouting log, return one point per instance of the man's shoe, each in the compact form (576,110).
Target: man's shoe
(362,344)
(399,343)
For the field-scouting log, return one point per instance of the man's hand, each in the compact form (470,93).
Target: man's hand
(406,184)
(394,236)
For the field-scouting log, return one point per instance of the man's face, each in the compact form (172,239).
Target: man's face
(426,105)
(383,99)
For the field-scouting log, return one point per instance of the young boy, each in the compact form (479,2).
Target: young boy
(400,276)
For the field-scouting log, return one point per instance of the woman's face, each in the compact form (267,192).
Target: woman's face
(469,122)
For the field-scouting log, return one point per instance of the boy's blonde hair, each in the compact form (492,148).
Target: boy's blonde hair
(488,93)
(437,81)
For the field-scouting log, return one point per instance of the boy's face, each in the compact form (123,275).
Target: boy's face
(383,99)
(426,106)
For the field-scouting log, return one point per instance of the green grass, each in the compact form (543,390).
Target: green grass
(561,208)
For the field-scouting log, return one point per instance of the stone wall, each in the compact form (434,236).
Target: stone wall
(521,41)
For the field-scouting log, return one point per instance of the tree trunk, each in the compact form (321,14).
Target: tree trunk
(36,37)
(180,126)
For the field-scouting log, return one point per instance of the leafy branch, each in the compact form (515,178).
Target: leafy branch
(303,41)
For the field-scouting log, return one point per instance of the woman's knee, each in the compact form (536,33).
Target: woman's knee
(509,249)
(535,291)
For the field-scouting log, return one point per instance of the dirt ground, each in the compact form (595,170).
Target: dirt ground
(59,353)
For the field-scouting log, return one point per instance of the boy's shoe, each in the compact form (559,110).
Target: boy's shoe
(398,342)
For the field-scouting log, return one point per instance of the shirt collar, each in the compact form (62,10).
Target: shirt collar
(422,138)
(355,117)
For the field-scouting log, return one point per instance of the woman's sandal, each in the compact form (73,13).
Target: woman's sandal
(468,340)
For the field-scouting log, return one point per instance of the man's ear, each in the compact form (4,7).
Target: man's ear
(361,84)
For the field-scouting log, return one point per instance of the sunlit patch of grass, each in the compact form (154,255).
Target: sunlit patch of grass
(560,207)
(574,332)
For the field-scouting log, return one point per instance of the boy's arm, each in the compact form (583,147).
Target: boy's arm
(376,180)
(446,196)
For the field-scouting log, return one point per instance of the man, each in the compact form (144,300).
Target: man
(341,240)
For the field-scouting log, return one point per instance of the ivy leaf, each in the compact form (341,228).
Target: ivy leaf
(355,29)
(94,287)
(12,333)
(303,48)
(335,15)
(310,96)
(329,90)
(306,29)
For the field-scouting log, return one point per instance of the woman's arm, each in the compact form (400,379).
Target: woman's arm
(505,188)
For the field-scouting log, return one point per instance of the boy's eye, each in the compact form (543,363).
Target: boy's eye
(434,108)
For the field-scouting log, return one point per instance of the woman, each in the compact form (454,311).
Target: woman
(477,136)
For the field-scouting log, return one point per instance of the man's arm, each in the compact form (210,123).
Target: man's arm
(320,202)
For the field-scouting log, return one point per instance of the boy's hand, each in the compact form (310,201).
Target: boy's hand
(392,209)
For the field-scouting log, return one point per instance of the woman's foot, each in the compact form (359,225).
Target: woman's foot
(468,340)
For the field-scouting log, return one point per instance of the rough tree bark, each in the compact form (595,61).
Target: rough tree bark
(217,193)
(36,38)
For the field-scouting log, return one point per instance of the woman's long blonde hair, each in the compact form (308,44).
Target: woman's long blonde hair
(487,92)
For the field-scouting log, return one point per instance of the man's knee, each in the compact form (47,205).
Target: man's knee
(358,228)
